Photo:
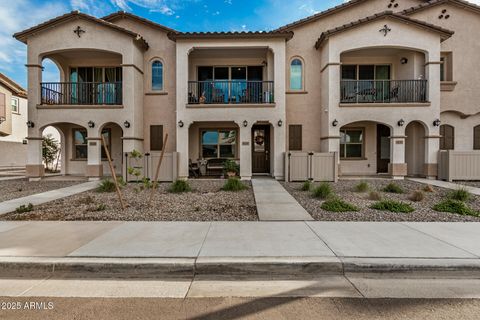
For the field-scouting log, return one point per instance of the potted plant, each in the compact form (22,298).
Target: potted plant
(231,168)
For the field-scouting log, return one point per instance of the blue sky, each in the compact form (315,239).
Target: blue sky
(183,15)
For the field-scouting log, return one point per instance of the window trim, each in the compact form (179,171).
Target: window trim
(362,157)
(150,70)
(303,87)
(18,104)
(200,150)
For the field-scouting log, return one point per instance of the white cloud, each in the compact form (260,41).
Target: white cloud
(93,7)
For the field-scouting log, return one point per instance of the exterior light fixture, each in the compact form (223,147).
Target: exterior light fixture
(437,123)
(126,124)
(245,123)
(404,60)
(30,124)
(401,123)
(335,123)
(91,124)
(280,123)
(180,124)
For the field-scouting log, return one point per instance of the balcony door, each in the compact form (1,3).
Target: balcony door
(365,83)
(96,85)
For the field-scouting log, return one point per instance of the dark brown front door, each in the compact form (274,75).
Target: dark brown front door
(261,149)
(383,148)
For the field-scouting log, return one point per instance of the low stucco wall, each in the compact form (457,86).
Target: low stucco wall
(16,155)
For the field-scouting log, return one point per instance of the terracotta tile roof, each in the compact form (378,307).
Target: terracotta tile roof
(444,33)
(219,35)
(23,35)
(431,3)
(16,89)
(122,14)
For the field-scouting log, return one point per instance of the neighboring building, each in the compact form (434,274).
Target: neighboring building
(385,90)
(13,128)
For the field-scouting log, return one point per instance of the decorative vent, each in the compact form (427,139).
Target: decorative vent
(392,4)
(444,14)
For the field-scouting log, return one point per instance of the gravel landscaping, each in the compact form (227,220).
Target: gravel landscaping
(475,184)
(12,189)
(206,202)
(344,189)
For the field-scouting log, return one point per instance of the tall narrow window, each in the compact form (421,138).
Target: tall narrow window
(296,74)
(156,138)
(15,105)
(80,149)
(476,138)
(295,137)
(157,75)
(447,139)
(107,135)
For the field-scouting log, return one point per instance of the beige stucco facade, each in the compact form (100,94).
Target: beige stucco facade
(415,47)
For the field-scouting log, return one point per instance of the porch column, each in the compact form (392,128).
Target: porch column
(245,149)
(432,147)
(94,159)
(34,168)
(183,150)
(397,167)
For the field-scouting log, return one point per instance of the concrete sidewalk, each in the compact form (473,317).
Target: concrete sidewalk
(179,248)
(447,185)
(44,197)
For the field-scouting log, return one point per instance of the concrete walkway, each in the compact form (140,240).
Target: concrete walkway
(274,203)
(447,185)
(40,198)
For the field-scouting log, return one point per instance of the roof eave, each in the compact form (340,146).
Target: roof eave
(174,36)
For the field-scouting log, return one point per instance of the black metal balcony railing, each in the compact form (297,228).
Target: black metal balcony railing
(383,91)
(230,92)
(81,93)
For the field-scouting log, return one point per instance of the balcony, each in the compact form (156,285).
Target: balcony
(81,93)
(231,92)
(383,91)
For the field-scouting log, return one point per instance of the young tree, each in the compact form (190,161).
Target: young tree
(50,149)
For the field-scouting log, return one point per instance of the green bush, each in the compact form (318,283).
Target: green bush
(362,187)
(306,186)
(180,186)
(231,166)
(461,194)
(455,206)
(392,206)
(234,185)
(101,207)
(106,185)
(393,188)
(338,205)
(375,196)
(323,191)
(24,208)
(417,196)
(121,182)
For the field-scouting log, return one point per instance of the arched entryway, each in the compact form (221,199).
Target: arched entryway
(415,148)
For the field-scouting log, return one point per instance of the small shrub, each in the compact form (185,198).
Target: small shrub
(106,185)
(392,206)
(180,186)
(417,196)
(323,191)
(234,185)
(101,207)
(24,208)
(338,205)
(121,182)
(362,187)
(461,194)
(428,188)
(393,188)
(306,186)
(375,196)
(146,184)
(455,206)
(230,166)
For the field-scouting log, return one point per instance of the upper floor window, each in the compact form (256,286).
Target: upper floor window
(15,105)
(446,66)
(296,74)
(476,138)
(447,137)
(157,75)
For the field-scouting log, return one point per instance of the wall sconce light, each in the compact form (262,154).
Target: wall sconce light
(126,124)
(245,123)
(30,124)
(180,124)
(404,61)
(401,123)
(437,123)
(280,123)
(335,123)
(91,124)
(264,63)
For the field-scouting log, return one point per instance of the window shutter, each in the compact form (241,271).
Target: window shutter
(476,138)
(295,137)
(3,112)
(447,141)
(156,138)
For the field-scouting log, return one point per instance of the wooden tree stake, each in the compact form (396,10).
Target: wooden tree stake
(117,187)
(158,170)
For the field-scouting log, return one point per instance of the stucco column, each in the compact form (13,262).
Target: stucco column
(397,167)
(34,169)
(94,159)
(183,151)
(245,148)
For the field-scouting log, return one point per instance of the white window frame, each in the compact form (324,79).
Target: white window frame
(17,111)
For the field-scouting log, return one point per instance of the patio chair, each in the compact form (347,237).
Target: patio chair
(394,94)
(193,169)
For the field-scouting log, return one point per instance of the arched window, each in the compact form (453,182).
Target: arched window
(447,139)
(157,75)
(296,74)
(476,138)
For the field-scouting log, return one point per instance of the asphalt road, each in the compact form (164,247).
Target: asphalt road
(243,308)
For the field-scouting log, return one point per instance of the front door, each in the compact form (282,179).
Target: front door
(383,148)
(261,149)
